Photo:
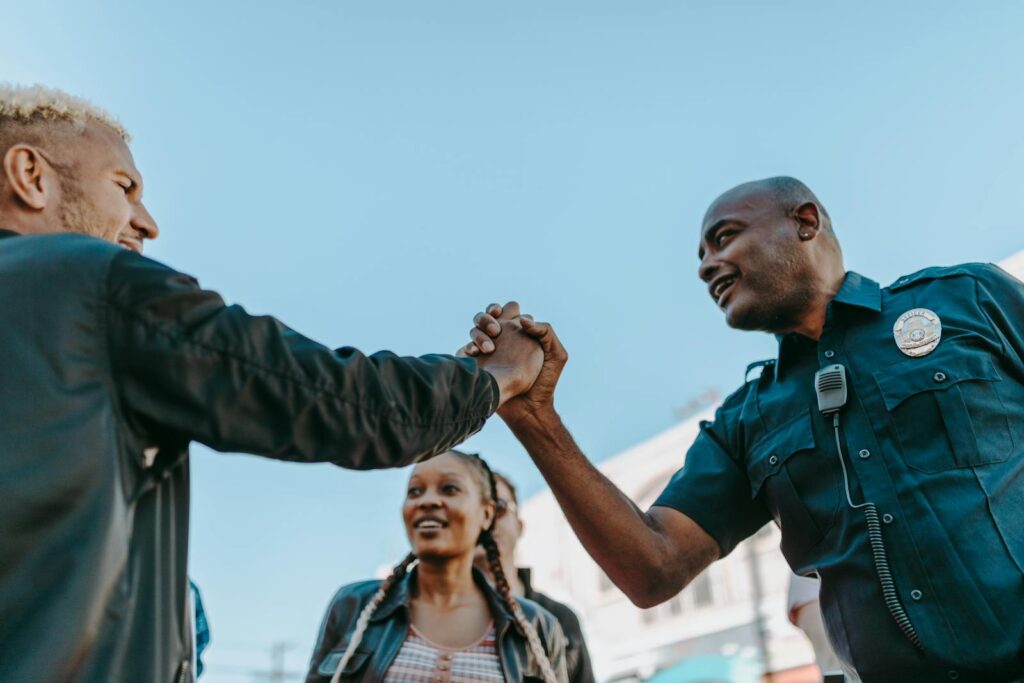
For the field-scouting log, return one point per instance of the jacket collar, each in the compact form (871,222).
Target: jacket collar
(8,233)
(401,594)
(856,291)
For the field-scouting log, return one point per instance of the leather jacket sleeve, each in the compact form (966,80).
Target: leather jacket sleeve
(186,365)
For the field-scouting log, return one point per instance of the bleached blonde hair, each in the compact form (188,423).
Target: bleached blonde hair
(37,104)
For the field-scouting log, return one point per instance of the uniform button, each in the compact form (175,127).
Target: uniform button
(443,667)
(953,674)
(829,353)
(774,460)
(887,518)
(916,594)
(939,377)
(864,454)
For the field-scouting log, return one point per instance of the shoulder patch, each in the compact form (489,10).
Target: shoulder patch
(938,273)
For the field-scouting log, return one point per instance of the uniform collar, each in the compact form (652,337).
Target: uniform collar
(860,291)
(856,291)
(8,233)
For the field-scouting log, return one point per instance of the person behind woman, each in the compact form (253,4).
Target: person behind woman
(436,619)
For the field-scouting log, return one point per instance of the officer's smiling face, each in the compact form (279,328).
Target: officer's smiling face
(757,269)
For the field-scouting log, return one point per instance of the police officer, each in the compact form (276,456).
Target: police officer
(885,440)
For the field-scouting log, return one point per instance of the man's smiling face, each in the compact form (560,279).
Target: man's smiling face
(754,262)
(101,189)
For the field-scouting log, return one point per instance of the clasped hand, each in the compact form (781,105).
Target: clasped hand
(525,356)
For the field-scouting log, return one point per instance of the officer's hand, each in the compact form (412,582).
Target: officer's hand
(485,334)
(515,362)
(541,396)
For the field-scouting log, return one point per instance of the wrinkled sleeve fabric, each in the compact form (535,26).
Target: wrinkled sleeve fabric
(712,488)
(190,366)
(1001,298)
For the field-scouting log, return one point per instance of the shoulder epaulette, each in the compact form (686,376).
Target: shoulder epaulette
(937,273)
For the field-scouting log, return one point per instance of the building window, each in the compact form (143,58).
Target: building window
(675,605)
(703,596)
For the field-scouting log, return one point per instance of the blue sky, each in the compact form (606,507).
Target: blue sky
(375,173)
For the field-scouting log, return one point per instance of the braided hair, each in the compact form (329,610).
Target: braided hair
(501,581)
(486,539)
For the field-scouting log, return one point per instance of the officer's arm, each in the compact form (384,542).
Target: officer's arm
(650,556)
(189,367)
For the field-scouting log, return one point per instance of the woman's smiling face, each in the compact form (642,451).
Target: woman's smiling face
(446,508)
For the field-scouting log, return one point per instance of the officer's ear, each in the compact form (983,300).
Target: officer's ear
(29,177)
(808,221)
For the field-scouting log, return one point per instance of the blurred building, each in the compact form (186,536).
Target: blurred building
(715,627)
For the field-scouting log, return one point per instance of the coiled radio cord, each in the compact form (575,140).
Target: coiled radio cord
(889,594)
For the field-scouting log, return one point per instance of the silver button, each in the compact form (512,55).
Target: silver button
(829,353)
(887,518)
(864,454)
(774,460)
(939,376)
(916,594)
(953,674)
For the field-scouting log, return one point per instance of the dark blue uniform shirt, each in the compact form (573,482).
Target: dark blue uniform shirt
(935,442)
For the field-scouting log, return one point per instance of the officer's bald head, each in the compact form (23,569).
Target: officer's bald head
(785,193)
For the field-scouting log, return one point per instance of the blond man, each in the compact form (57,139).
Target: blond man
(113,363)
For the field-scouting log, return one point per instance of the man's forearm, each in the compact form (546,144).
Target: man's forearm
(622,539)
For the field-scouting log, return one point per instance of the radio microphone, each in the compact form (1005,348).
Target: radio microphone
(830,385)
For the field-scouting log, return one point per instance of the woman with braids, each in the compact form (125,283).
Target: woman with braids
(436,619)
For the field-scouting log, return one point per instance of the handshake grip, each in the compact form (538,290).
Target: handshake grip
(525,357)
(515,361)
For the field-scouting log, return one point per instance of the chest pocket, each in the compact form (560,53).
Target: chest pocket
(946,411)
(796,486)
(330,663)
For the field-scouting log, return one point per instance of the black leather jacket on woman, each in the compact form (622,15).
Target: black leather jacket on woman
(389,627)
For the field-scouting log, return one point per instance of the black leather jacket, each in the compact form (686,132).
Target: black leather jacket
(110,364)
(577,657)
(389,627)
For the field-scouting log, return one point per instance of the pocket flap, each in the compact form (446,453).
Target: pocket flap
(330,663)
(932,373)
(772,450)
